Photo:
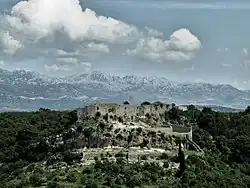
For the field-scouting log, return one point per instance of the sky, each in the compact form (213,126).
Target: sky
(185,41)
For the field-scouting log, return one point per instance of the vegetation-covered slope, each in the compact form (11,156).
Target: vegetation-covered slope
(25,140)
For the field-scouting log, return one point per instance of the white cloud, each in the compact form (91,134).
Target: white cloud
(245,51)
(54,68)
(98,47)
(71,60)
(60,31)
(60,28)
(153,32)
(59,52)
(40,18)
(60,55)
(86,65)
(183,39)
(181,46)
(81,66)
(8,44)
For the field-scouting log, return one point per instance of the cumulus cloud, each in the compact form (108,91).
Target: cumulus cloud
(57,28)
(62,32)
(8,44)
(41,18)
(180,46)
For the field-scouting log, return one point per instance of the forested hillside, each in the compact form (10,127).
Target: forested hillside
(26,140)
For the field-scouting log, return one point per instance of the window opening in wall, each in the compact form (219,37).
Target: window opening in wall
(97,107)
(125,108)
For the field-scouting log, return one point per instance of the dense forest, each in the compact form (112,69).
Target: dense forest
(225,138)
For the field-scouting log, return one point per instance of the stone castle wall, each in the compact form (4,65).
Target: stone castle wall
(110,109)
(121,110)
(178,131)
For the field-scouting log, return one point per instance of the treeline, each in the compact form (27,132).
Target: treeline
(24,135)
(200,172)
(226,134)
(225,137)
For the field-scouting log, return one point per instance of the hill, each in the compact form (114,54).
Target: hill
(40,149)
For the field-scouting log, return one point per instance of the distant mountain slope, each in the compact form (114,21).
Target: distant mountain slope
(29,91)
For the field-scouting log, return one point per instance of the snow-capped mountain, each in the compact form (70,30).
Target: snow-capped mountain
(24,90)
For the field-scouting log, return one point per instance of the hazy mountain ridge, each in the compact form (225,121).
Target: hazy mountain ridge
(30,90)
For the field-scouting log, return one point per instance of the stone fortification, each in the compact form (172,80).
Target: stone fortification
(113,109)
(132,112)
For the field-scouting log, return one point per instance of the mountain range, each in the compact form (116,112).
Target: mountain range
(26,90)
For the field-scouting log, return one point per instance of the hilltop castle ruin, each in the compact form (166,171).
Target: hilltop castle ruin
(132,112)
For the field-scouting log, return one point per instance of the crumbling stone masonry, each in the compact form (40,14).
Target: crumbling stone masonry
(128,110)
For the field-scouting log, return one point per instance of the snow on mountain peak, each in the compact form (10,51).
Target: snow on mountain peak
(26,89)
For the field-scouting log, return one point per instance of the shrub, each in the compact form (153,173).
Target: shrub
(139,130)
(35,179)
(164,156)
(165,164)
(145,103)
(98,115)
(126,102)
(144,143)
(102,125)
(119,137)
(144,157)
(120,119)
(106,117)
(148,115)
(71,176)
(120,154)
